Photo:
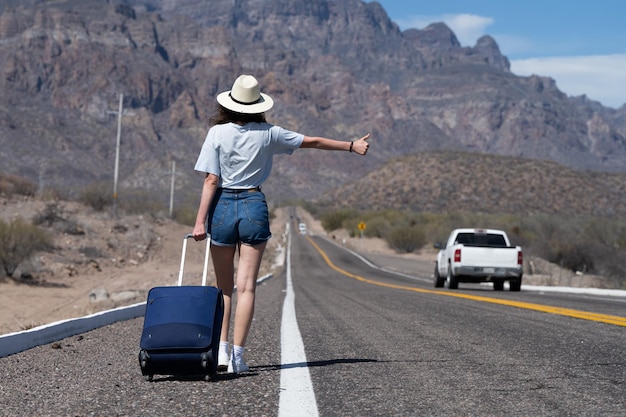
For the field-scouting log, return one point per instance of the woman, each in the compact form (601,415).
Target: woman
(237,158)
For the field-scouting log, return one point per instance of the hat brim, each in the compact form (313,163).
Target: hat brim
(261,106)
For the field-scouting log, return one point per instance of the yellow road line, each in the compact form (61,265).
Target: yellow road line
(585,315)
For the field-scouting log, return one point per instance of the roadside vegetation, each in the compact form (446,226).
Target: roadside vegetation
(18,241)
(585,244)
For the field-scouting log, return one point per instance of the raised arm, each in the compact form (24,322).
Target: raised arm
(358,146)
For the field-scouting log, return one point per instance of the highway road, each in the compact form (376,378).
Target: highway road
(335,336)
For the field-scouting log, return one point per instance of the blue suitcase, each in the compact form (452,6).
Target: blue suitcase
(182,326)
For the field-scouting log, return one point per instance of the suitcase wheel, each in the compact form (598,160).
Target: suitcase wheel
(143,363)
(208,364)
(207,360)
(143,359)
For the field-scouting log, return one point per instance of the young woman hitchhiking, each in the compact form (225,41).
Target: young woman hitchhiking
(237,158)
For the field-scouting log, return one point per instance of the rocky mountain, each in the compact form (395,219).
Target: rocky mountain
(334,68)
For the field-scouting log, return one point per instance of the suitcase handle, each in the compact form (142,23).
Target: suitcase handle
(182,260)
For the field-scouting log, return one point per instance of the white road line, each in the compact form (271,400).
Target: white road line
(297,397)
(374,266)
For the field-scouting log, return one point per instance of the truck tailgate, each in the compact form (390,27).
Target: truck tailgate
(489,257)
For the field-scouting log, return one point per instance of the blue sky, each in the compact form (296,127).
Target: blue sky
(579,43)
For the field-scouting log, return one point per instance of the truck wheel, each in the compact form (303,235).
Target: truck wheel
(439,280)
(498,285)
(516,284)
(453,281)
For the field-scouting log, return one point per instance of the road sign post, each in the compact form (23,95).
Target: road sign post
(362,227)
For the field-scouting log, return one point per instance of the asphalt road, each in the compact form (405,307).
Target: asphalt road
(376,344)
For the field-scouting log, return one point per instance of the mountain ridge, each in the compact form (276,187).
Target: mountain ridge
(339,69)
(443,180)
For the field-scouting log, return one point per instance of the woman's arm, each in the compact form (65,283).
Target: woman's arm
(359,146)
(208,191)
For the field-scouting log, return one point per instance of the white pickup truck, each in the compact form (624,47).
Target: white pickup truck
(478,255)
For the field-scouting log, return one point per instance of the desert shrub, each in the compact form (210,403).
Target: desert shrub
(377,227)
(53,215)
(608,232)
(586,244)
(379,223)
(613,266)
(574,256)
(334,220)
(18,241)
(406,238)
(543,235)
(456,219)
(351,225)
(97,196)
(12,184)
(435,227)
(6,188)
(392,216)
(185,215)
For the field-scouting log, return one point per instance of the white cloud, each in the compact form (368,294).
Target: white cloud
(467,27)
(514,45)
(599,77)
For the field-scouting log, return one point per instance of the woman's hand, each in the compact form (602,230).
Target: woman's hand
(199,232)
(361,146)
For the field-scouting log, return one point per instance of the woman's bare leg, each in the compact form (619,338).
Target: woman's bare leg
(223,263)
(247,273)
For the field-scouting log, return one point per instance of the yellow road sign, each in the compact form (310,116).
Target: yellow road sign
(362,226)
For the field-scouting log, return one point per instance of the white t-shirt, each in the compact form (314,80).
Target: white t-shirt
(242,155)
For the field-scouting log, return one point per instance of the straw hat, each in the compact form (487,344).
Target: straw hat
(245,97)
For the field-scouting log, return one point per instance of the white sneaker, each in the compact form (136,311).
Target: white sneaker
(222,361)
(237,366)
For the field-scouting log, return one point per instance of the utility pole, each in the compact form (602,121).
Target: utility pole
(120,113)
(117,153)
(172,188)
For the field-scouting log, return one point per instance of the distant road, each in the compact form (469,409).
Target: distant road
(376,344)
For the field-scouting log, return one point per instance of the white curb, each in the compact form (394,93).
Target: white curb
(19,341)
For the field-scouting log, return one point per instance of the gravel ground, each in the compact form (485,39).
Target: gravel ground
(98,374)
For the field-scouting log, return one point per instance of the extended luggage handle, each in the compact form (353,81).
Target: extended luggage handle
(206,260)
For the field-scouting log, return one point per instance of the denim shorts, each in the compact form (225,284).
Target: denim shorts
(238,216)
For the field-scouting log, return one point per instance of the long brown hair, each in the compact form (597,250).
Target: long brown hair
(223,116)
